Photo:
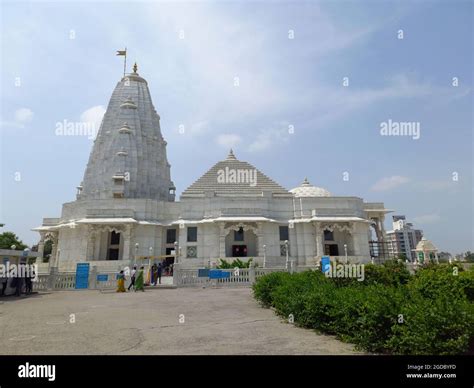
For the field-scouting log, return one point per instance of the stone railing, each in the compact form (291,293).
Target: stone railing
(64,281)
(61,281)
(236,277)
(189,278)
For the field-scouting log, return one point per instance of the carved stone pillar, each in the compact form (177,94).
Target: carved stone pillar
(319,239)
(355,235)
(53,237)
(39,259)
(259,234)
(127,239)
(91,239)
(222,235)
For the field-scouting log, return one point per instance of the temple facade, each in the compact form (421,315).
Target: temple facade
(126,210)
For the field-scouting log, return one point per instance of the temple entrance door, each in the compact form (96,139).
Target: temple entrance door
(168,262)
(113,248)
(239,250)
(331,250)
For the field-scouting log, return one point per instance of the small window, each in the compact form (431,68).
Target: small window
(170,236)
(239,235)
(191,252)
(192,233)
(284,233)
(328,235)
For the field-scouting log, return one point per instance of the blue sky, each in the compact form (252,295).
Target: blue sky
(58,63)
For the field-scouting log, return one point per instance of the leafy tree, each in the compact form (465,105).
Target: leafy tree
(7,239)
(469,257)
(48,248)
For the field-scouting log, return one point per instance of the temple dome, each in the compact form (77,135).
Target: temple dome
(306,189)
(425,245)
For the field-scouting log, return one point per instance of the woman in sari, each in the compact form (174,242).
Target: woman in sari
(121,282)
(139,280)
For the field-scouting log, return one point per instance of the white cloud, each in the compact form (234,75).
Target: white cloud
(23,115)
(426,219)
(228,140)
(93,116)
(199,128)
(269,138)
(389,183)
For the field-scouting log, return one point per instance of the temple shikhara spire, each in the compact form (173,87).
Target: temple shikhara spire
(128,159)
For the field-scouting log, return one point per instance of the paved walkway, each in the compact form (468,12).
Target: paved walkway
(160,321)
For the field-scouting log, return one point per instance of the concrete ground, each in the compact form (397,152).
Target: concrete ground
(159,321)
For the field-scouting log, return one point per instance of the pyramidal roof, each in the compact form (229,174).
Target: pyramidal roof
(128,158)
(233,177)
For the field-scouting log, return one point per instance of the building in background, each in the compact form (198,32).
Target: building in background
(403,239)
(426,252)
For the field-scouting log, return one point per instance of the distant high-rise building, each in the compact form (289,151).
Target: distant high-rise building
(402,240)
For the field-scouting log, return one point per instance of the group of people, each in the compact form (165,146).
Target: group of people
(22,279)
(137,278)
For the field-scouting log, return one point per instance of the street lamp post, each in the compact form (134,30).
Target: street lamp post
(287,254)
(345,252)
(26,251)
(264,255)
(137,245)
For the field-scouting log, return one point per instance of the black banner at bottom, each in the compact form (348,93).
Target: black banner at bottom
(377,371)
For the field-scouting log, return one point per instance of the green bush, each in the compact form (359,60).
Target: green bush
(466,280)
(264,286)
(429,313)
(440,326)
(437,280)
(236,263)
(365,315)
(390,273)
(291,297)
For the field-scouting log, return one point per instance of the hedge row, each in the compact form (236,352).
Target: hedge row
(391,311)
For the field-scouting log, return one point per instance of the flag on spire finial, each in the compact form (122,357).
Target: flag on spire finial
(124,54)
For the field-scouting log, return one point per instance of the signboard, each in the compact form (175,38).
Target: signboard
(203,273)
(102,278)
(218,274)
(82,275)
(325,264)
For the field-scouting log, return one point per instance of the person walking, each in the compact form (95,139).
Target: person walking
(121,282)
(3,283)
(139,282)
(154,274)
(28,280)
(159,271)
(132,278)
(19,280)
